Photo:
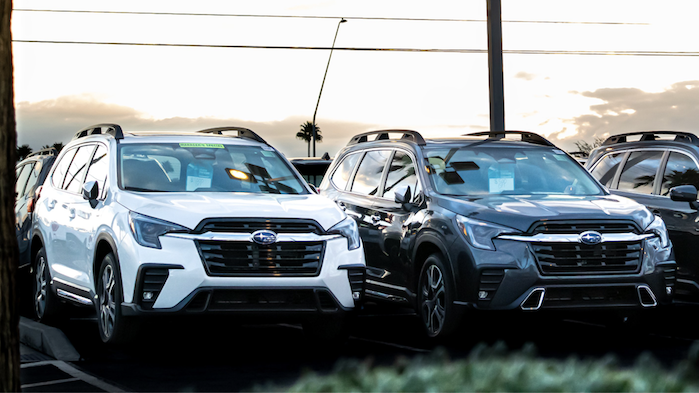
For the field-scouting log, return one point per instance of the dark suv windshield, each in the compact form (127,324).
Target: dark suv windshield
(486,170)
(205,167)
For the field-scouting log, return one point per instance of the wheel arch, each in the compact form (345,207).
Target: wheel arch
(104,245)
(427,245)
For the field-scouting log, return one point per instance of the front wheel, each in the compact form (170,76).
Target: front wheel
(46,303)
(435,298)
(113,326)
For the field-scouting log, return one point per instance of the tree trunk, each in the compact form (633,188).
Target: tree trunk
(9,315)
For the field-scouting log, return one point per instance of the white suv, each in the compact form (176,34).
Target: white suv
(208,222)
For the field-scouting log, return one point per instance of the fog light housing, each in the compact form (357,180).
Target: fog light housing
(356,295)
(482,295)
(668,290)
(147,295)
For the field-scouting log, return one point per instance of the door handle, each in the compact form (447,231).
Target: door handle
(51,204)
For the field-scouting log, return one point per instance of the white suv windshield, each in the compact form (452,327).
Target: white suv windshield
(205,167)
(486,170)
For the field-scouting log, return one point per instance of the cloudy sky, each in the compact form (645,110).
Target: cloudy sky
(573,69)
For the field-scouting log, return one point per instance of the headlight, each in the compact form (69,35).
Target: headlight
(480,234)
(347,228)
(657,227)
(147,230)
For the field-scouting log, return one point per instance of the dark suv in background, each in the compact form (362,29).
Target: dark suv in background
(489,222)
(659,169)
(30,174)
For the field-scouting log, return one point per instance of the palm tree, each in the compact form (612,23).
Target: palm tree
(23,151)
(306,134)
(58,146)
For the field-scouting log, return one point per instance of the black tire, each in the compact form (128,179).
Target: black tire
(114,328)
(435,297)
(46,305)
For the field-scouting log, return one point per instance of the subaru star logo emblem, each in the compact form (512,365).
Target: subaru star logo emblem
(590,237)
(264,237)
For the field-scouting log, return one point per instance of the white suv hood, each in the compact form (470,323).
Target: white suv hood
(188,209)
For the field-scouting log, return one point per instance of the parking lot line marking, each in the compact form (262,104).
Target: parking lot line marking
(75,373)
(48,383)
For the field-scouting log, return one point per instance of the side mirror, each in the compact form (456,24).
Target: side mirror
(403,195)
(314,188)
(91,192)
(685,193)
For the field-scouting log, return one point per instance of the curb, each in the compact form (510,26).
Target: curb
(46,339)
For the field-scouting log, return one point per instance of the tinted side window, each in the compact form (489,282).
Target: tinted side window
(401,172)
(22,179)
(368,176)
(639,171)
(344,171)
(99,167)
(76,170)
(61,167)
(33,178)
(606,168)
(680,170)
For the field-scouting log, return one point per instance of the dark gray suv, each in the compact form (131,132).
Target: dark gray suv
(659,169)
(493,222)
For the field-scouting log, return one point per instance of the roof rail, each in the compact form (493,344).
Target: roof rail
(680,136)
(49,151)
(527,136)
(111,129)
(242,133)
(410,135)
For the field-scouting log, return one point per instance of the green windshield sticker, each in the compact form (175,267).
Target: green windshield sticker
(204,145)
(268,154)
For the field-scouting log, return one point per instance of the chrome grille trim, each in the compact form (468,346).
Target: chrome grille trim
(247,237)
(575,238)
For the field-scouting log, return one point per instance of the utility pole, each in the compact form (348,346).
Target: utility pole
(497,90)
(342,20)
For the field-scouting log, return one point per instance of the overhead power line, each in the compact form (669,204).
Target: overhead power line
(322,17)
(427,50)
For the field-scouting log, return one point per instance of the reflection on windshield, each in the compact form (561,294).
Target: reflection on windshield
(507,170)
(187,167)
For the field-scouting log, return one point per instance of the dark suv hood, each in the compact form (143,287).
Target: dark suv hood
(520,212)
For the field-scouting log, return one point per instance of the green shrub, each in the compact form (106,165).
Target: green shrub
(494,369)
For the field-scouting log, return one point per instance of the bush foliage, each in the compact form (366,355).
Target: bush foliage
(494,369)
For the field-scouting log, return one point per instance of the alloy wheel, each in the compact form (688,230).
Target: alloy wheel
(433,300)
(40,287)
(107,303)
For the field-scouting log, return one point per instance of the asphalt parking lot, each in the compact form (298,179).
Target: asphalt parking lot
(225,355)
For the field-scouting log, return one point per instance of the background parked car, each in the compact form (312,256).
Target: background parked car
(312,168)
(645,166)
(30,174)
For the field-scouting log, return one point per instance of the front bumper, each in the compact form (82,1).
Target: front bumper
(183,285)
(511,278)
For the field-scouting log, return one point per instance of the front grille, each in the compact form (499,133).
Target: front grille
(236,258)
(554,227)
(296,300)
(252,225)
(561,297)
(578,258)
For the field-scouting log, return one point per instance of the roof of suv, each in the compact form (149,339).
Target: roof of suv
(115,131)
(645,139)
(415,137)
